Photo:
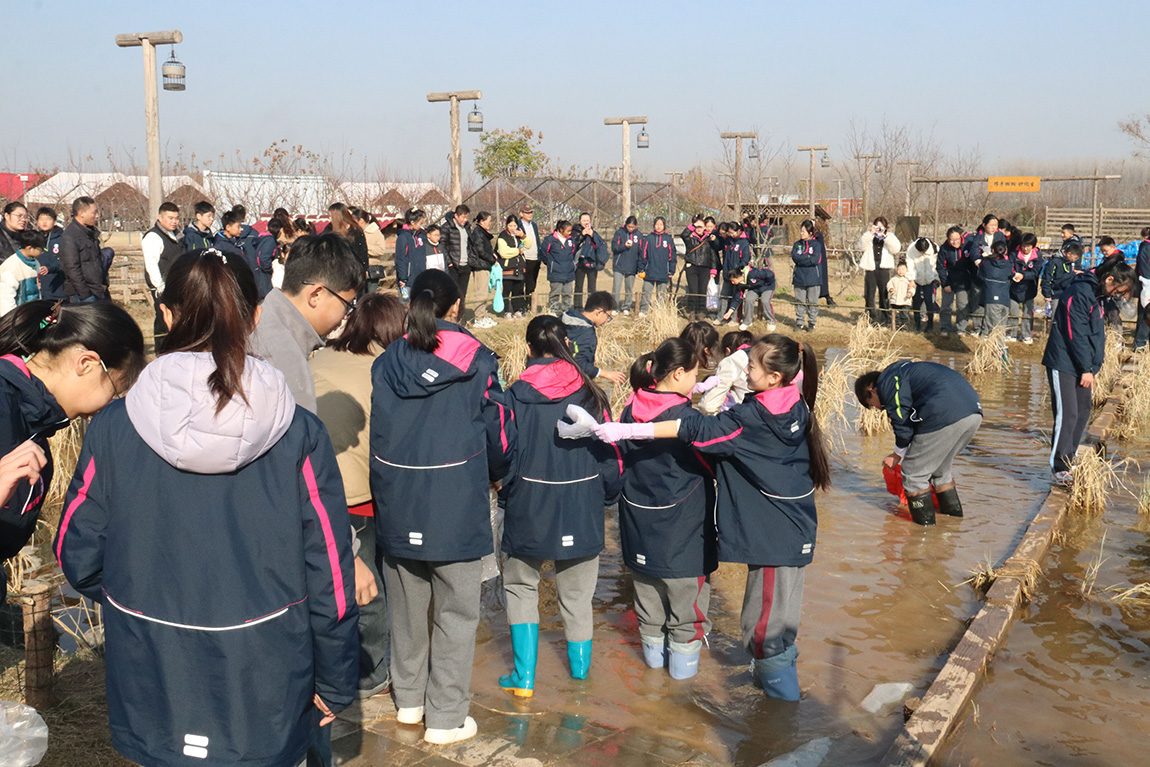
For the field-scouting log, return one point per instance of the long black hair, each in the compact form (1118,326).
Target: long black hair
(777,353)
(52,327)
(432,295)
(704,337)
(547,337)
(652,367)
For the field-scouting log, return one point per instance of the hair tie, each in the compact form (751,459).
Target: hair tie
(219,254)
(429,292)
(53,316)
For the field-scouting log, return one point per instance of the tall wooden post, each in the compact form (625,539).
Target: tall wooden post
(626,122)
(456,159)
(937,186)
(39,647)
(866,158)
(148,41)
(1094,219)
(738,177)
(811,176)
(908,164)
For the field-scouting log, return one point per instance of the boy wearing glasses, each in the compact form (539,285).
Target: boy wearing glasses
(321,280)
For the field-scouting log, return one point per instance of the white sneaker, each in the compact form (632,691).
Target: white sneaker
(626,312)
(485,322)
(1064,478)
(443,737)
(412,715)
(743,326)
(771,328)
(1028,341)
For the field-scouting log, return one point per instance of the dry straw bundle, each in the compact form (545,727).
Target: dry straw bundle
(1134,409)
(871,347)
(990,354)
(1093,478)
(1111,371)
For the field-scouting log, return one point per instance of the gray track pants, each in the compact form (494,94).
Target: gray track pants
(807,305)
(660,289)
(1071,404)
(431,667)
(771,607)
(561,297)
(959,300)
(1024,310)
(676,607)
(624,290)
(993,315)
(929,459)
(575,580)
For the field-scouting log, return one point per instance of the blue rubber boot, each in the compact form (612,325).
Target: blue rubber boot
(654,652)
(525,647)
(579,656)
(684,661)
(778,674)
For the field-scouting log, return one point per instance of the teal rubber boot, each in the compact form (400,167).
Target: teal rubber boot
(779,674)
(525,647)
(579,656)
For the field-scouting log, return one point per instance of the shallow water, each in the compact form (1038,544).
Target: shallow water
(1071,685)
(883,603)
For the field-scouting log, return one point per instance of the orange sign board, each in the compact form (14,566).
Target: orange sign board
(1013,183)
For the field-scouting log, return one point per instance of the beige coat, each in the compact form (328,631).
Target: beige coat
(343,399)
(376,242)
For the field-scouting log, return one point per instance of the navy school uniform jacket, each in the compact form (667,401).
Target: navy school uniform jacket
(766,499)
(265,257)
(1141,264)
(556,489)
(1056,276)
(626,257)
(52,283)
(226,578)
(194,239)
(440,432)
(975,245)
(923,397)
(736,255)
(808,256)
(1077,340)
(245,250)
(559,258)
(953,267)
(592,251)
(584,340)
(995,274)
(1030,268)
(760,280)
(27,411)
(408,245)
(657,259)
(667,509)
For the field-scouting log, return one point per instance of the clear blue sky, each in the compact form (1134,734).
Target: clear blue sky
(1021,80)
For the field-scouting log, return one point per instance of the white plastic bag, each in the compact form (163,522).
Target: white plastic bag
(885,694)
(713,295)
(23,735)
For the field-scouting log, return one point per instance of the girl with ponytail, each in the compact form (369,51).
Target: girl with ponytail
(773,461)
(56,363)
(220,505)
(440,434)
(554,496)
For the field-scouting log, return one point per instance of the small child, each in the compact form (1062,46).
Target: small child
(581,325)
(433,256)
(1024,288)
(20,271)
(900,290)
(731,387)
(996,273)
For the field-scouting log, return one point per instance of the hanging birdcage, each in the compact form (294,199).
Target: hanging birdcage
(642,141)
(173,71)
(475,120)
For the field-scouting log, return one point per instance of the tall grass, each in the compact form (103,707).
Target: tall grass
(991,355)
(1111,370)
(1133,415)
(1094,476)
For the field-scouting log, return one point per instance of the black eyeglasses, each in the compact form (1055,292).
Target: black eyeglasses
(348,306)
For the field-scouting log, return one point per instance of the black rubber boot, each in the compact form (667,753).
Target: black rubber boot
(917,323)
(948,503)
(921,508)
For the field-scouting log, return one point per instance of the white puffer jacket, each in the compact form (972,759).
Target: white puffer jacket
(921,267)
(890,248)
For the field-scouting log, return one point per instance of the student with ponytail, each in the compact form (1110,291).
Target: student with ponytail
(773,460)
(440,433)
(207,516)
(56,363)
(554,496)
(666,514)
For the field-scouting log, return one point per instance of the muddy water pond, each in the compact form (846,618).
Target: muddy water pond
(884,603)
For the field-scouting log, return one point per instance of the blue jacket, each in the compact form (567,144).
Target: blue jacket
(667,509)
(556,489)
(736,254)
(592,250)
(975,247)
(27,410)
(766,499)
(559,258)
(236,246)
(923,397)
(657,259)
(52,283)
(995,274)
(409,244)
(760,279)
(626,257)
(194,239)
(1141,265)
(808,256)
(584,340)
(226,578)
(953,267)
(440,432)
(1056,275)
(1077,340)
(265,256)
(1030,269)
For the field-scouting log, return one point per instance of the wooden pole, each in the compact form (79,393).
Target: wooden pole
(936,233)
(626,169)
(866,193)
(456,155)
(739,180)
(811,187)
(1094,220)
(39,647)
(152,128)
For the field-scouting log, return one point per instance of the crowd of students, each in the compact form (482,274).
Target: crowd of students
(245,606)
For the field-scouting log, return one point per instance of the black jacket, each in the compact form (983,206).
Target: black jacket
(1077,340)
(27,410)
(480,251)
(700,249)
(922,397)
(584,340)
(556,489)
(453,246)
(1030,269)
(667,509)
(954,269)
(52,283)
(80,259)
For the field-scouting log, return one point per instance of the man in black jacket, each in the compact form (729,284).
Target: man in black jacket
(84,277)
(456,231)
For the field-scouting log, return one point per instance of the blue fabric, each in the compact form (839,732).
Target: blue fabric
(808,256)
(922,397)
(996,275)
(559,258)
(1077,340)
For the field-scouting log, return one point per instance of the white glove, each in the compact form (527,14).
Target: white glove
(583,424)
